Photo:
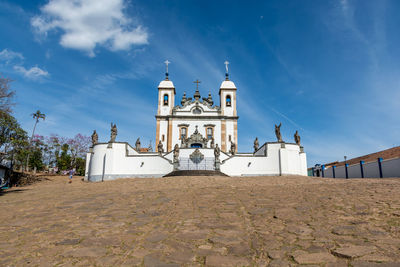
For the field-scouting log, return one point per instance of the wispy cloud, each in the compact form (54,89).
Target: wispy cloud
(89,23)
(9,56)
(286,118)
(16,60)
(32,73)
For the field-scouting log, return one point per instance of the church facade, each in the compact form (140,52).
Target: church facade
(194,134)
(216,123)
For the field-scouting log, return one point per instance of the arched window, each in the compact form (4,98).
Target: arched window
(228,101)
(166,100)
(209,132)
(183,133)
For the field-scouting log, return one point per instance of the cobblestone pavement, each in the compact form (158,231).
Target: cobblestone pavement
(195,221)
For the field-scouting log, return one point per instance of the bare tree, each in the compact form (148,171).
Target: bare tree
(6,95)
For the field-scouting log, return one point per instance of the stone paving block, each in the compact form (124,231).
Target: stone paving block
(218,260)
(314,258)
(351,252)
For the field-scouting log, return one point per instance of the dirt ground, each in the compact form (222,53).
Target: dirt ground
(197,221)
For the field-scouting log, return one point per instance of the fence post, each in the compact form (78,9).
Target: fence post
(362,168)
(380,167)
(347,174)
(333,171)
(323,171)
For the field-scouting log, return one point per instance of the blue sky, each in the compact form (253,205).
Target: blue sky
(329,69)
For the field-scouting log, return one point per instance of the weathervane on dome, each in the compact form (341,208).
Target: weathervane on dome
(227,71)
(166,73)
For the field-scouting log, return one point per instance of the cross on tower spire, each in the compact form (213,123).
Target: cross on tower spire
(166,65)
(227,70)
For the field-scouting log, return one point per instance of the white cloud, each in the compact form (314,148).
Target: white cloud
(9,55)
(33,72)
(88,23)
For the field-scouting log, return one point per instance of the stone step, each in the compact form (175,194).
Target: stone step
(195,173)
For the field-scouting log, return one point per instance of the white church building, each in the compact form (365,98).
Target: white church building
(194,137)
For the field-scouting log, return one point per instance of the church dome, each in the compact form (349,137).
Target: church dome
(227,85)
(166,84)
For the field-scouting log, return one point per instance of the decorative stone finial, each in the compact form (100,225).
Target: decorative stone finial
(184,99)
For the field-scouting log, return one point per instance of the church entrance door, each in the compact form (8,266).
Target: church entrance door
(196,145)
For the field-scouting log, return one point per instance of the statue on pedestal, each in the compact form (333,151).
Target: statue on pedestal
(114,132)
(297,138)
(233,148)
(217,152)
(176,153)
(137,145)
(278,133)
(160,148)
(95,138)
(256,145)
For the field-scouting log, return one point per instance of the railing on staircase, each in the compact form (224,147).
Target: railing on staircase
(188,164)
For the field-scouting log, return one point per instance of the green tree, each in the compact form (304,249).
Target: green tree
(13,139)
(80,165)
(64,160)
(36,159)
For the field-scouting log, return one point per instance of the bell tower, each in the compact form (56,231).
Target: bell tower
(166,102)
(227,96)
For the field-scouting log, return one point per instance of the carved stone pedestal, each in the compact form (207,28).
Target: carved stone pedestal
(217,165)
(176,165)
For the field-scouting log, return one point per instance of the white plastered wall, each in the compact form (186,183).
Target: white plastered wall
(279,161)
(163,131)
(118,162)
(230,130)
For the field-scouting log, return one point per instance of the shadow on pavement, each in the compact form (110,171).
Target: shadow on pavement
(9,191)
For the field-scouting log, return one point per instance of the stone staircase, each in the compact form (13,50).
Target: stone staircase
(195,173)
